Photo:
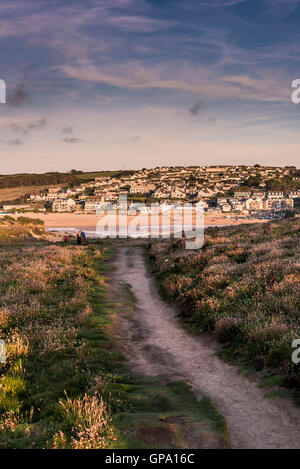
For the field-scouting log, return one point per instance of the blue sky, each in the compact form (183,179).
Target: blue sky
(109,84)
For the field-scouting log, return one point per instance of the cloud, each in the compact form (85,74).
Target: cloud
(210,83)
(219,3)
(70,18)
(282,8)
(137,23)
(39,124)
(15,142)
(75,44)
(18,96)
(197,108)
(129,140)
(67,130)
(24,129)
(71,140)
(282,2)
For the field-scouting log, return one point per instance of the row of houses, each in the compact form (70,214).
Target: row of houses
(270,202)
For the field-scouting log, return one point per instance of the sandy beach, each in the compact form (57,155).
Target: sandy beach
(73,221)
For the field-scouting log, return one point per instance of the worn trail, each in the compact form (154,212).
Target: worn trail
(158,345)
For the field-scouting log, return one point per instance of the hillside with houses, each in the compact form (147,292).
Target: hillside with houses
(238,190)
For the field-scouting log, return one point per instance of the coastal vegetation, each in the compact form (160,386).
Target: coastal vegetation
(65,383)
(243,286)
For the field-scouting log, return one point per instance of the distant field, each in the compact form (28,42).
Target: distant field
(13,193)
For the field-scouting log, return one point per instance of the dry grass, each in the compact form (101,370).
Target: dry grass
(90,423)
(13,193)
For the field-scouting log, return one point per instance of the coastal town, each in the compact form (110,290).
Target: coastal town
(229,190)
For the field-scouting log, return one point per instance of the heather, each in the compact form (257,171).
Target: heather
(45,399)
(244,287)
(65,384)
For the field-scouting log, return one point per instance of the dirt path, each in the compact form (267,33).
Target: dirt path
(158,345)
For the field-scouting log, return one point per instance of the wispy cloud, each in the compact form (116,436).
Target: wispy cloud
(197,108)
(209,83)
(128,140)
(136,23)
(15,142)
(280,9)
(67,130)
(25,129)
(276,3)
(92,54)
(71,140)
(219,3)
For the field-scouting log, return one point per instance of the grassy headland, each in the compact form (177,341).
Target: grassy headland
(244,287)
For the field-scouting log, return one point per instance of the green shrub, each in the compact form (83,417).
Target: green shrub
(30,221)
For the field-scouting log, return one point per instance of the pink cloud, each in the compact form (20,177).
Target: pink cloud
(209,84)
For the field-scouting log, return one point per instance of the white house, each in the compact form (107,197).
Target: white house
(63,205)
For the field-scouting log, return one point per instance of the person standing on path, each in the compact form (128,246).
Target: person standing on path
(78,238)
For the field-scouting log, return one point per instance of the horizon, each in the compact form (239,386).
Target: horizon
(147,168)
(126,83)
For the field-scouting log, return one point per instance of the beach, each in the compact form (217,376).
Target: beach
(71,222)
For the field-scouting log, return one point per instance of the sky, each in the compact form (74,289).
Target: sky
(127,84)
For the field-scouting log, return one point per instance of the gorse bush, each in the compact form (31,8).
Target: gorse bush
(8,218)
(20,229)
(243,286)
(30,221)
